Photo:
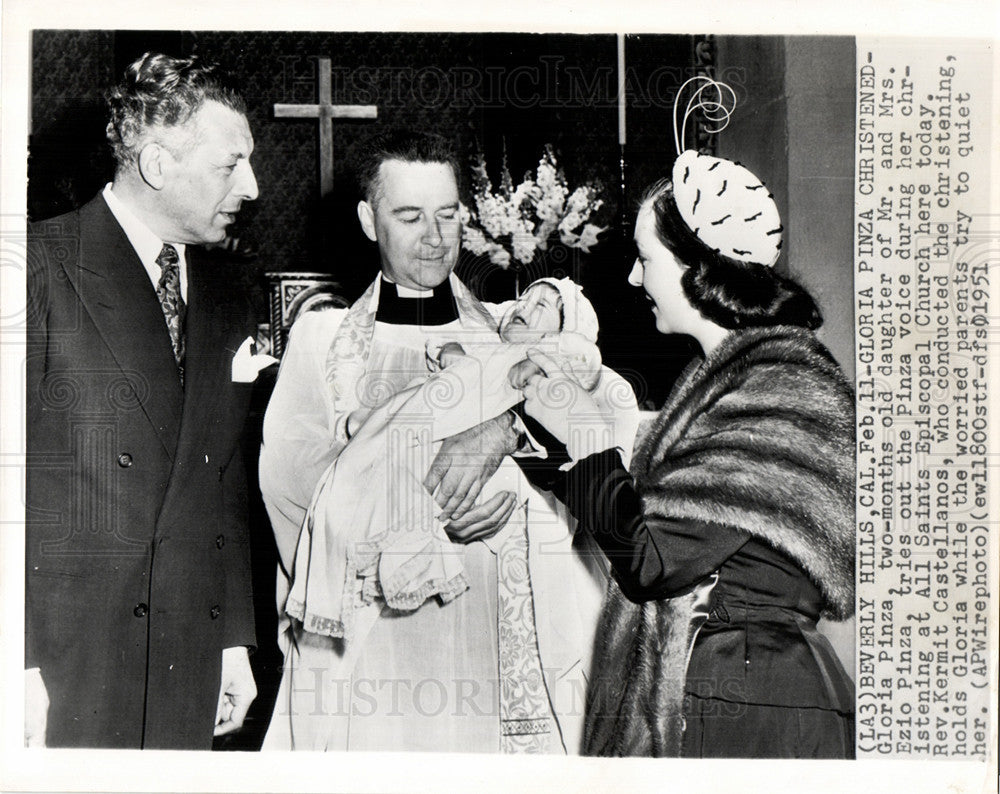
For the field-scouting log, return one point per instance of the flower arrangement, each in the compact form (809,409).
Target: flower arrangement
(513,223)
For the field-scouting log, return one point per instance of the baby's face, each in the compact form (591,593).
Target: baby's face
(536,313)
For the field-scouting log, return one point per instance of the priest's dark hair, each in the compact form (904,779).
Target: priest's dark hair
(410,146)
(731,293)
(159,91)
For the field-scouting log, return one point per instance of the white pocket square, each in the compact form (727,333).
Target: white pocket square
(247,364)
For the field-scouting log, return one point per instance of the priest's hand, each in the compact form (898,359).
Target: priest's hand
(237,692)
(465,463)
(483,521)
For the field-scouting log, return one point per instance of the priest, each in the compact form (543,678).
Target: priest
(502,666)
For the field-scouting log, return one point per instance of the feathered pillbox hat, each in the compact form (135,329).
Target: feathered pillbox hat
(724,205)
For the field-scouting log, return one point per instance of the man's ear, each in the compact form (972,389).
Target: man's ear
(151,165)
(366,214)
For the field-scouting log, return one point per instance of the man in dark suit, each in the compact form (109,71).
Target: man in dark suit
(138,380)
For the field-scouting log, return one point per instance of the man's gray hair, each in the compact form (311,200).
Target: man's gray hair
(158,90)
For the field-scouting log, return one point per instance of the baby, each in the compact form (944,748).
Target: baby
(552,315)
(384,543)
(540,315)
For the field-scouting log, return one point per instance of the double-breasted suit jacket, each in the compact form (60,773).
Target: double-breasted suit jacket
(137,554)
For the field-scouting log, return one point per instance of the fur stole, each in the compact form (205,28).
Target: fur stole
(759,437)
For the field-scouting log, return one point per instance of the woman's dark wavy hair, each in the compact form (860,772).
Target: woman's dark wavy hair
(732,294)
(159,90)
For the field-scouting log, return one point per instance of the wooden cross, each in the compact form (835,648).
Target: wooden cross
(325,111)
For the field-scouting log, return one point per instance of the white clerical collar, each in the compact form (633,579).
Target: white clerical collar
(408,292)
(146,243)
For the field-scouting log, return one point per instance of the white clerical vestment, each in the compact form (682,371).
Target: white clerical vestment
(447,676)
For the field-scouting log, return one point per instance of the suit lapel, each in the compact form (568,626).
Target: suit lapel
(214,330)
(117,294)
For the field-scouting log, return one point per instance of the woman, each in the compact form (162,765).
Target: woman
(734,532)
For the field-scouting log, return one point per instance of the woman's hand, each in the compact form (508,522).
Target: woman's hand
(555,399)
(521,373)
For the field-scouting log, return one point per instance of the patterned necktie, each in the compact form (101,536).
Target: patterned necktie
(168,290)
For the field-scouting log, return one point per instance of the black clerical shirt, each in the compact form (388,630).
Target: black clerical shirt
(439,308)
